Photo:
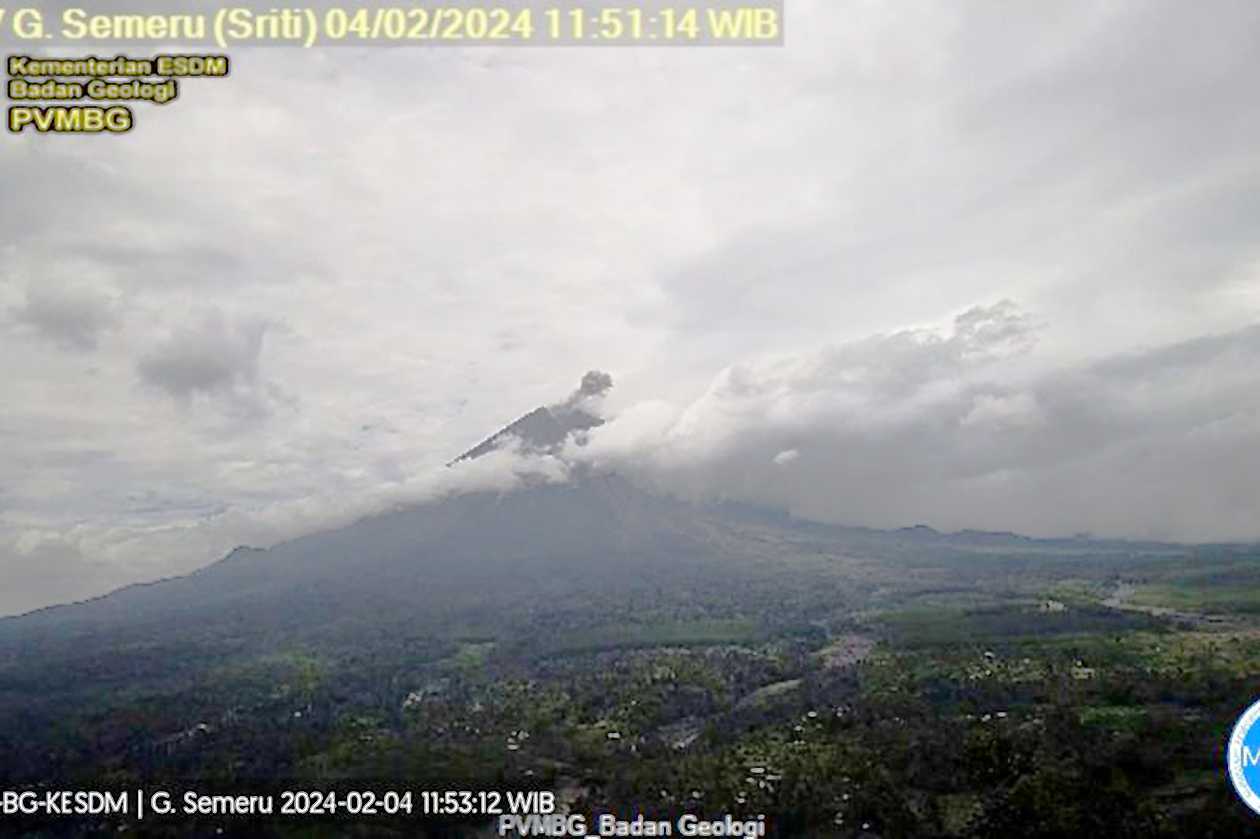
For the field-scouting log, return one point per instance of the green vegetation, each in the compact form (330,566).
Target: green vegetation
(1200,597)
(941,627)
(664,634)
(906,697)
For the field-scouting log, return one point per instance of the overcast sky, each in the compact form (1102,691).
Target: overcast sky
(973,264)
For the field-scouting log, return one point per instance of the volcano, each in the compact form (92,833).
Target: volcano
(479,561)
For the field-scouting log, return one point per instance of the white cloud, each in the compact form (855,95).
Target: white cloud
(941,427)
(785,457)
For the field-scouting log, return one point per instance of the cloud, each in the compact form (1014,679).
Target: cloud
(785,457)
(73,317)
(952,428)
(1003,410)
(210,356)
(41,567)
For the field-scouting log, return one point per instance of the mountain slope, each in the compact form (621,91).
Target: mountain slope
(473,544)
(541,430)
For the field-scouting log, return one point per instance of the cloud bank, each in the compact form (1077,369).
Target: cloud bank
(965,428)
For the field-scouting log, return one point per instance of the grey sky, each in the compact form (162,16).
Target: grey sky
(977,264)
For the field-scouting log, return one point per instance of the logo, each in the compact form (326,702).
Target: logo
(1243,757)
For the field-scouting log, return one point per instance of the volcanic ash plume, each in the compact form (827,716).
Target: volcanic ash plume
(595,383)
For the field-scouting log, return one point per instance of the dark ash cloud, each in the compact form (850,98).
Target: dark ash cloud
(594,384)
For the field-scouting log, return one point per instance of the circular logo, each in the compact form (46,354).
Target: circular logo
(1243,757)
